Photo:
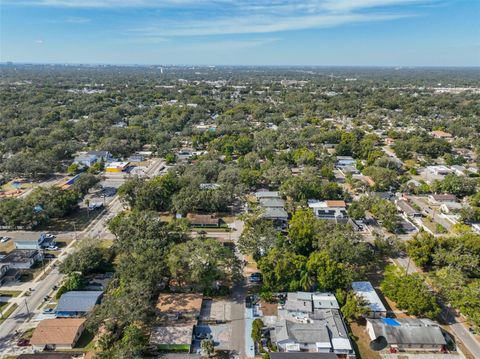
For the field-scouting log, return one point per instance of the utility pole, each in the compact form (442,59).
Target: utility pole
(26,306)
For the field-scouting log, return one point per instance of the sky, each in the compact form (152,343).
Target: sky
(242,32)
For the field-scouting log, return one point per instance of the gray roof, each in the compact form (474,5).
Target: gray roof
(301,332)
(408,331)
(78,301)
(299,302)
(407,208)
(267,194)
(275,213)
(272,202)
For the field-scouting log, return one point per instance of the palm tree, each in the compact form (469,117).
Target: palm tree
(306,280)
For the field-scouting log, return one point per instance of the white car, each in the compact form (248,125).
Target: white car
(49,236)
(4,239)
(52,248)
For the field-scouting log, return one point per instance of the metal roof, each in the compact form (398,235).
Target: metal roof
(408,331)
(78,301)
(367,292)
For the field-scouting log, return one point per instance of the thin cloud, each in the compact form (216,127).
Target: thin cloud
(39,42)
(221,17)
(77,20)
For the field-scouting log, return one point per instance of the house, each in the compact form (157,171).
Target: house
(22,258)
(329,210)
(343,161)
(184,154)
(273,208)
(104,156)
(302,355)
(58,333)
(441,134)
(179,313)
(366,291)
(87,159)
(77,303)
(438,199)
(451,207)
(116,167)
(136,158)
(203,220)
(407,209)
(311,322)
(266,194)
(405,334)
(8,274)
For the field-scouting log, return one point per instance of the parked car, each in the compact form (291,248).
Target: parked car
(52,248)
(4,239)
(48,311)
(49,236)
(255,277)
(49,256)
(23,343)
(248,301)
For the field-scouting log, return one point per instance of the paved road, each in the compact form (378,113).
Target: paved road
(454,322)
(18,320)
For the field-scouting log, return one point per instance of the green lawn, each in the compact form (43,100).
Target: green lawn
(174,347)
(80,219)
(10,293)
(8,312)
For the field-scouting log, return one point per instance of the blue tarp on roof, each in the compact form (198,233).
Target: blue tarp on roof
(390,321)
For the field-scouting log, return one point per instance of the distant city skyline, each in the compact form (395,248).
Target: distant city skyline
(242,32)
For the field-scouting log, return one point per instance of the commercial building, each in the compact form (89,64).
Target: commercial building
(116,167)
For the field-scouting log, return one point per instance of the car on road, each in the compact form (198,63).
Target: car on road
(52,248)
(4,239)
(48,311)
(255,277)
(108,191)
(49,236)
(49,256)
(23,343)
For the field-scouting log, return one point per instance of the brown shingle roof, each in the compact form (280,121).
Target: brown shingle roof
(57,331)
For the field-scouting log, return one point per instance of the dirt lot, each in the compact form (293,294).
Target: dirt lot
(269,309)
(362,341)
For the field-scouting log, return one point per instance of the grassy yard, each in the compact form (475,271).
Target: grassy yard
(174,348)
(8,312)
(10,293)
(362,340)
(85,342)
(79,220)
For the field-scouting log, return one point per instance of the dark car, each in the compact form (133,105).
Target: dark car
(248,301)
(23,343)
(255,278)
